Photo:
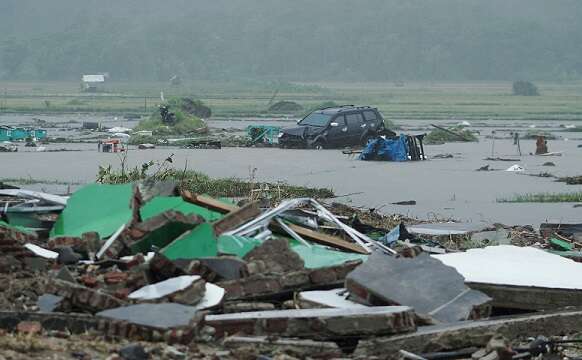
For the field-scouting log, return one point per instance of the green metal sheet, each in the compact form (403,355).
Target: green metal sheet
(197,243)
(316,256)
(236,245)
(574,255)
(561,245)
(95,207)
(104,208)
(163,203)
(16,227)
(160,237)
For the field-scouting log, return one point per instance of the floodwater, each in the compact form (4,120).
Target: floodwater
(443,188)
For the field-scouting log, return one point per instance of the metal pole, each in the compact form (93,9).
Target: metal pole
(493,143)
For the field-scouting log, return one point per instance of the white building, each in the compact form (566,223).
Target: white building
(91,82)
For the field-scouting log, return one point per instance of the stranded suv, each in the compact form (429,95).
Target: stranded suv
(335,127)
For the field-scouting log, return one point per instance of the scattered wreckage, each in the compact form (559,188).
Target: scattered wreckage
(148,262)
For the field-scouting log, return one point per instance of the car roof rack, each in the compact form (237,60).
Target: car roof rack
(351,107)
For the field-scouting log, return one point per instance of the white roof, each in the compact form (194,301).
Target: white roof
(93,78)
(517,266)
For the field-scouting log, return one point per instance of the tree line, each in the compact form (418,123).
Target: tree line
(368,40)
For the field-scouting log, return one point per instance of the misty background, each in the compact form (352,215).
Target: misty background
(368,40)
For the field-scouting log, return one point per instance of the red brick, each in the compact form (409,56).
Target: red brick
(323,276)
(115,277)
(29,327)
(89,281)
(122,293)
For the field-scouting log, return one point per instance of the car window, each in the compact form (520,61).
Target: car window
(316,119)
(341,120)
(370,115)
(354,120)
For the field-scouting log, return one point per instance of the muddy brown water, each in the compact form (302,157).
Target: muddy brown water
(442,188)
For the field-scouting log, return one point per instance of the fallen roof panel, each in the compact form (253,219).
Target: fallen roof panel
(517,266)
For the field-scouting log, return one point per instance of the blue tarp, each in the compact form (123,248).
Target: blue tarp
(386,149)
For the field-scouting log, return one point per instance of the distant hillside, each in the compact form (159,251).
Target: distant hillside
(292,40)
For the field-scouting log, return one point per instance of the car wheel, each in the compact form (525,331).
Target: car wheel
(318,145)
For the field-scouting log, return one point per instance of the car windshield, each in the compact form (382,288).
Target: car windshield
(315,119)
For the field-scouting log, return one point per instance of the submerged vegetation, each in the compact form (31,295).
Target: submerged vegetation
(438,136)
(32,181)
(203,184)
(543,198)
(571,180)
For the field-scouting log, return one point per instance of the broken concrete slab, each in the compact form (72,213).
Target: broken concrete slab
(471,333)
(213,296)
(227,267)
(72,323)
(336,298)
(260,286)
(523,277)
(317,323)
(160,316)
(429,286)
(186,289)
(308,348)
(36,264)
(238,307)
(48,302)
(82,297)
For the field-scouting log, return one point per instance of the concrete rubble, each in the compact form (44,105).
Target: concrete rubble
(150,264)
(424,283)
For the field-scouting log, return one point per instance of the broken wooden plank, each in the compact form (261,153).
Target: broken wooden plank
(321,238)
(208,202)
(236,218)
(317,237)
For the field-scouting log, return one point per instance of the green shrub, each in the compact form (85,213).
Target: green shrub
(202,184)
(524,88)
(285,107)
(186,122)
(438,136)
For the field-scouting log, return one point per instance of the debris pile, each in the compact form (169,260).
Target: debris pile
(148,263)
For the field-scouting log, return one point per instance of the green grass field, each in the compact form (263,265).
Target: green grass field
(478,101)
